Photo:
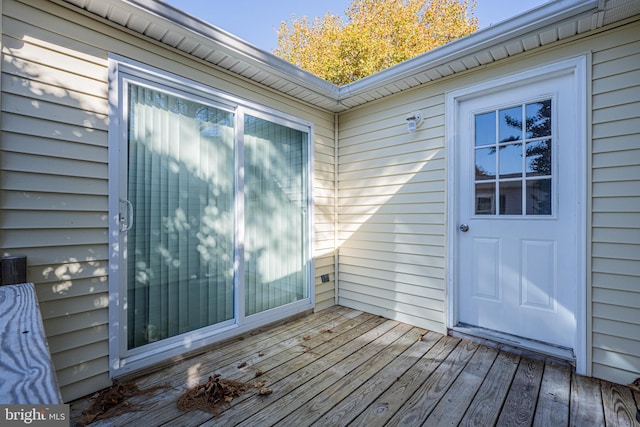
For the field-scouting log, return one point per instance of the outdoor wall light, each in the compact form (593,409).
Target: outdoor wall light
(413,121)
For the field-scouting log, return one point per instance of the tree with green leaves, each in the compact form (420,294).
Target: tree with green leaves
(376,35)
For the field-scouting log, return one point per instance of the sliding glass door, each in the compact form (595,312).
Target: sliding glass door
(275,195)
(212,226)
(180,247)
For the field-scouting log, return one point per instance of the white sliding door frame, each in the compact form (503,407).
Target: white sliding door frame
(122,72)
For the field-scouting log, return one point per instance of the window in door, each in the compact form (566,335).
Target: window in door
(513,160)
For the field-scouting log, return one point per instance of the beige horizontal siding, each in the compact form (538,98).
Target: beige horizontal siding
(392,211)
(54,171)
(392,200)
(616,208)
(54,187)
(48,148)
(325,291)
(72,280)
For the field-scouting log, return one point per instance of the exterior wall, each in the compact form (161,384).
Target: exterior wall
(392,192)
(615,217)
(392,210)
(53,171)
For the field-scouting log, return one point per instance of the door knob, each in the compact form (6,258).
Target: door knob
(464,228)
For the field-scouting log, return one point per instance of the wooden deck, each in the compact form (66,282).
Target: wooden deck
(343,367)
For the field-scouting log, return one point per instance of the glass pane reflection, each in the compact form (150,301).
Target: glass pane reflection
(485,163)
(485,129)
(539,158)
(511,198)
(510,160)
(538,119)
(513,176)
(510,125)
(539,197)
(485,198)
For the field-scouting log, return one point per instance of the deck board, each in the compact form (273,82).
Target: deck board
(454,403)
(553,400)
(485,407)
(344,367)
(417,408)
(518,409)
(319,384)
(586,402)
(618,404)
(355,403)
(636,398)
(316,404)
(304,360)
(343,359)
(387,404)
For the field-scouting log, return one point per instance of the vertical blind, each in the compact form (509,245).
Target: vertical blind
(275,264)
(181,185)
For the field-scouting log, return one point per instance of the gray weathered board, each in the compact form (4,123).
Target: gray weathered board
(27,375)
(340,367)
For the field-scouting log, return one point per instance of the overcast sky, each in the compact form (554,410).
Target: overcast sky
(256,21)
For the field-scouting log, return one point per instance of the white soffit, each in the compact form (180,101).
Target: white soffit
(549,23)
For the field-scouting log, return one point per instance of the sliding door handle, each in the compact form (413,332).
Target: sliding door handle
(126,220)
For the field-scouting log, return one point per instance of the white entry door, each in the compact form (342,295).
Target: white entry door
(517,198)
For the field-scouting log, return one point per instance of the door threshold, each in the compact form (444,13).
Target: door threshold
(515,344)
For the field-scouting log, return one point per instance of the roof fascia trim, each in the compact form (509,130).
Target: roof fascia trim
(536,19)
(546,15)
(237,47)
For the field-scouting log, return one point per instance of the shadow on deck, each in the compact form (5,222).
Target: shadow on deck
(344,367)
